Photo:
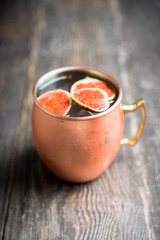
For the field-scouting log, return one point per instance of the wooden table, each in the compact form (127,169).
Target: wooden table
(120,37)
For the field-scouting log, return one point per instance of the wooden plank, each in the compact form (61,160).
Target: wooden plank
(115,206)
(141,38)
(14,48)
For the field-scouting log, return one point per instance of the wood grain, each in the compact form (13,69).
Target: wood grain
(14,49)
(119,37)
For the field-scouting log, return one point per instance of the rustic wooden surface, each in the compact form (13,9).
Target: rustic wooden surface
(120,37)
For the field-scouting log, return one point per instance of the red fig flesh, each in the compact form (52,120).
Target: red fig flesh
(56,101)
(91,98)
(94,83)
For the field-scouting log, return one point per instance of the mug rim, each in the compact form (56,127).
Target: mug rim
(85,69)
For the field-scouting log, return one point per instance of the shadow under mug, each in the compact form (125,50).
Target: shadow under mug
(79,149)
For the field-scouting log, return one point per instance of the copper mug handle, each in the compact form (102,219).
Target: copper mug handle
(140,104)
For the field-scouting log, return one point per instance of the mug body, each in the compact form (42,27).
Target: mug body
(77,149)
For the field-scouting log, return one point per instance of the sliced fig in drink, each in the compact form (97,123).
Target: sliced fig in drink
(56,101)
(94,83)
(94,99)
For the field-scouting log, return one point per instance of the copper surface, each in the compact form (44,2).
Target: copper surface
(78,149)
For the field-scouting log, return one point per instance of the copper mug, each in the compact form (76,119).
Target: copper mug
(80,149)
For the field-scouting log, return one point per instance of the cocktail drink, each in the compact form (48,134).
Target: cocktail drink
(67,95)
(78,121)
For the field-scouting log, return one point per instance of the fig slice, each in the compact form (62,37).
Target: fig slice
(94,99)
(56,101)
(89,82)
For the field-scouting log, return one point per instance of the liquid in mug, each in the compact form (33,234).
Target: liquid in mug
(65,82)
